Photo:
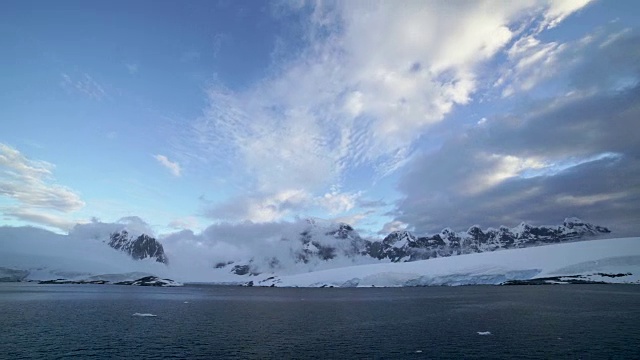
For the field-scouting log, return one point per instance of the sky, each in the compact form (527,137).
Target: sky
(232,115)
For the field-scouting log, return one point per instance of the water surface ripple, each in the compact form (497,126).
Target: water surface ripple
(526,322)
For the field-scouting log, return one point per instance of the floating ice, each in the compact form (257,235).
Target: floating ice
(484,332)
(144,315)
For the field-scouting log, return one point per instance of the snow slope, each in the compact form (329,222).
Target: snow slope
(589,258)
(43,255)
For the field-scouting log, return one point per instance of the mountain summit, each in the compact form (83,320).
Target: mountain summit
(141,247)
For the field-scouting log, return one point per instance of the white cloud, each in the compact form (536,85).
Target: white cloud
(373,78)
(40,217)
(589,200)
(30,183)
(559,10)
(184,223)
(172,166)
(612,38)
(531,62)
(84,84)
(336,202)
(268,207)
(260,208)
(353,219)
(498,168)
(391,226)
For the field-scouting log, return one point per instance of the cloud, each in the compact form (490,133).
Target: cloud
(247,240)
(96,229)
(84,84)
(367,203)
(30,182)
(135,225)
(218,41)
(39,217)
(531,62)
(269,207)
(260,207)
(336,202)
(568,154)
(185,223)
(392,226)
(354,219)
(132,68)
(172,166)
(372,79)
(559,10)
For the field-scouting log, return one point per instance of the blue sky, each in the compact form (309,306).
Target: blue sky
(386,115)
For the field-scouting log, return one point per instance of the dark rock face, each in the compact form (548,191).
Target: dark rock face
(143,281)
(142,247)
(150,281)
(403,246)
(243,270)
(567,279)
(313,248)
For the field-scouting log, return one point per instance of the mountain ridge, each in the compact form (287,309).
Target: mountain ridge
(399,244)
(322,242)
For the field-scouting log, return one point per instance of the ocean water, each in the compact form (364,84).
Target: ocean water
(211,322)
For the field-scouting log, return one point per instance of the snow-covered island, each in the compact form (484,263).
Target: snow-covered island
(324,254)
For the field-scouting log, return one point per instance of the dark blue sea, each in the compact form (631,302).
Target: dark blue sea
(216,322)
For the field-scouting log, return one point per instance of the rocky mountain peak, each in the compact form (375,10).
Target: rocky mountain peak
(140,247)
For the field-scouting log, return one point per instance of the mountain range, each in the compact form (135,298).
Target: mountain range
(318,253)
(324,242)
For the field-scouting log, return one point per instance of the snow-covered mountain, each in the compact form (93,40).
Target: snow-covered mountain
(314,244)
(404,246)
(28,253)
(140,247)
(316,253)
(322,245)
(130,237)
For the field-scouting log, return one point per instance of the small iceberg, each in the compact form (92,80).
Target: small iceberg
(144,315)
(484,332)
